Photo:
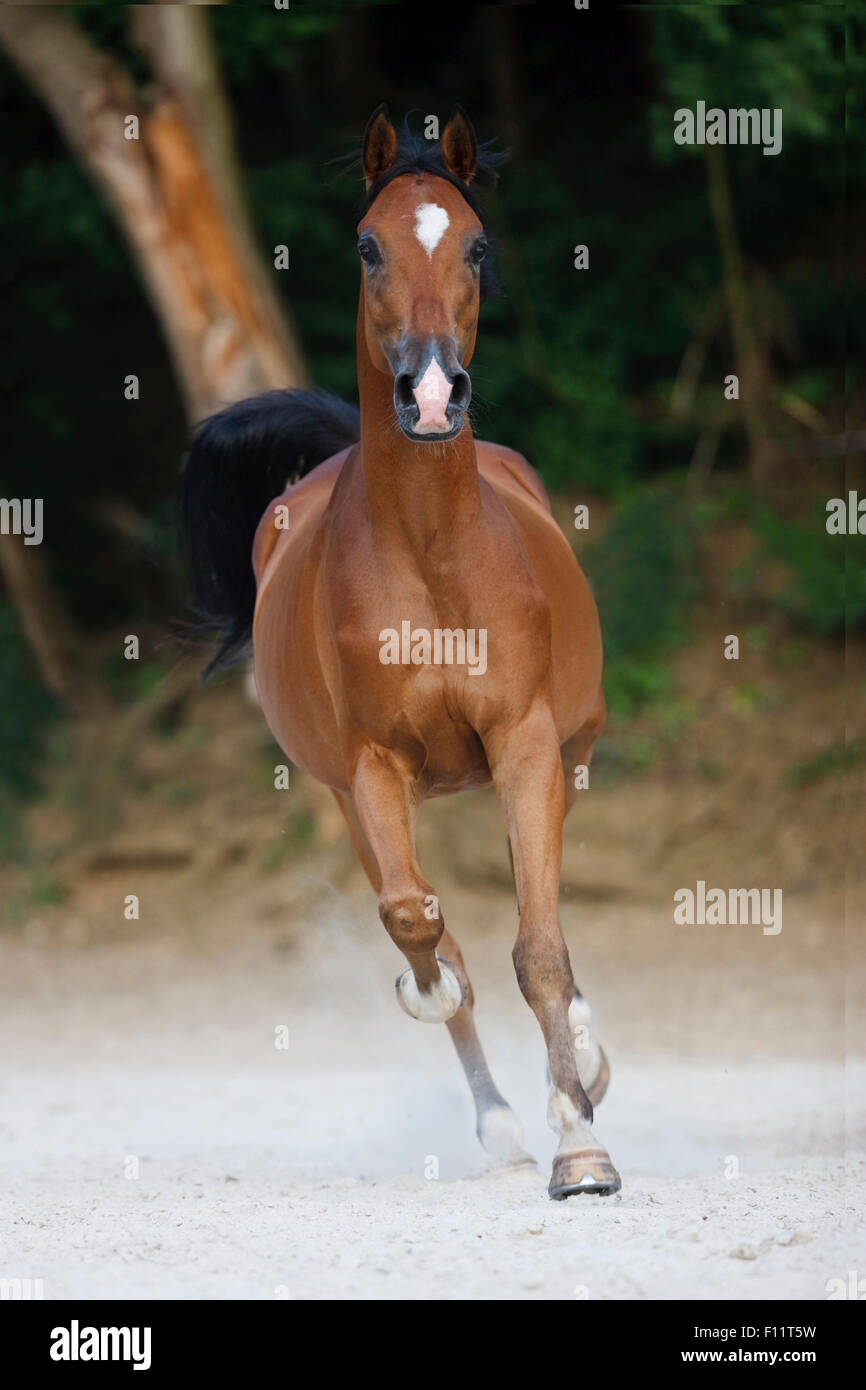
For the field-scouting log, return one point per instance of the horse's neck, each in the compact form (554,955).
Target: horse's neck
(424,492)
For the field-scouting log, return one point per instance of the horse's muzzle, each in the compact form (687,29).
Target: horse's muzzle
(431,397)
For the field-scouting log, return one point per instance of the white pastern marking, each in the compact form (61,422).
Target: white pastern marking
(501,1133)
(587,1050)
(438,1004)
(431,224)
(565,1119)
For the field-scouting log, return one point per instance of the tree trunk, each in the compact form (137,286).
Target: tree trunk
(177,196)
(44,625)
(752,367)
(175,191)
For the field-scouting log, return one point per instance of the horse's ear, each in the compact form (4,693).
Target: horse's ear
(459,147)
(379,147)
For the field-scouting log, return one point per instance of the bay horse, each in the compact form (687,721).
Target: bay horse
(356,548)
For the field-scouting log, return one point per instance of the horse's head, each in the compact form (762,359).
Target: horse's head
(422,244)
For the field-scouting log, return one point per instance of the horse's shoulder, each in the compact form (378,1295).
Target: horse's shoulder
(312,490)
(501,465)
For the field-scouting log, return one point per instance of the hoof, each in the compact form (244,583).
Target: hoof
(501,1135)
(438,1004)
(583,1170)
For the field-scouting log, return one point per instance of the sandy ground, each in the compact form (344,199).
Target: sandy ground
(154,1142)
(157,1144)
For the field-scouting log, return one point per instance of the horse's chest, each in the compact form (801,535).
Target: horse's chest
(433,716)
(419,680)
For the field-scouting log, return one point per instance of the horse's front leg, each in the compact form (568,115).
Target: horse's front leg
(385,803)
(527,771)
(498,1127)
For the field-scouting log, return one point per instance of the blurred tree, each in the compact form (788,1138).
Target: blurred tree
(46,626)
(173,187)
(730,57)
(166,164)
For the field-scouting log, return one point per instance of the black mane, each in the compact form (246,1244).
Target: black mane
(415,155)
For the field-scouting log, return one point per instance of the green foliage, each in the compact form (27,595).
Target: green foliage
(643,576)
(300,831)
(825,584)
(321,289)
(130,680)
(748,697)
(252,39)
(837,756)
(751,56)
(178,793)
(25,710)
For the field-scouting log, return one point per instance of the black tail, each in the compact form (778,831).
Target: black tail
(240,459)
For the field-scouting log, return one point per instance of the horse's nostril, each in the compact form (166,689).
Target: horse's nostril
(461,390)
(403,396)
(432,398)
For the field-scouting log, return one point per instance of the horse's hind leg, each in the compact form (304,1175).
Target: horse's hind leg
(497,1126)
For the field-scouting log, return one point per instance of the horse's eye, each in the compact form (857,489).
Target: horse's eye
(478,251)
(369,253)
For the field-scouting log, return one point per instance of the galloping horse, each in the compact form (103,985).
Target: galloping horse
(401,550)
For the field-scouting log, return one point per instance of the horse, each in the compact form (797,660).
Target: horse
(419,623)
